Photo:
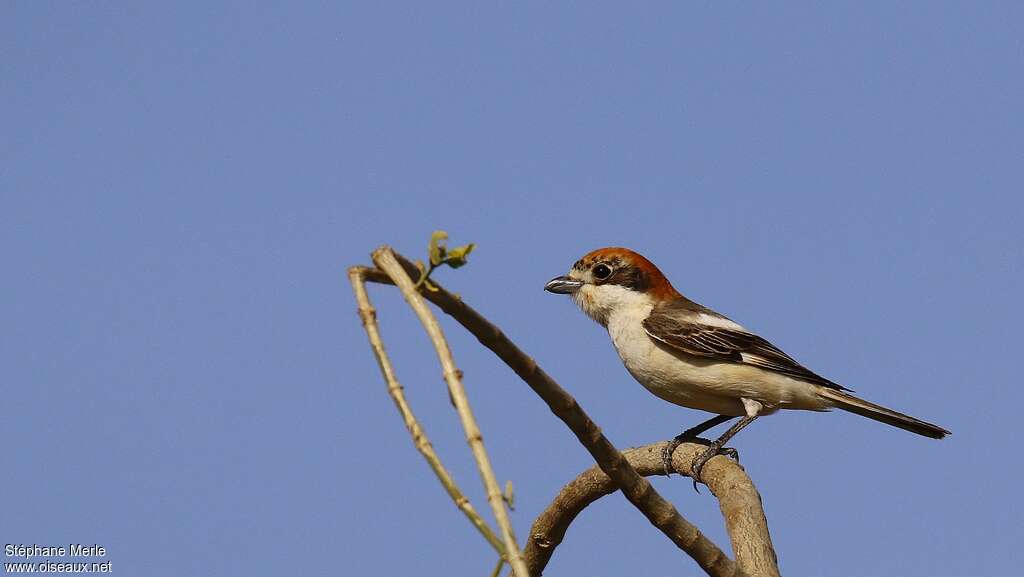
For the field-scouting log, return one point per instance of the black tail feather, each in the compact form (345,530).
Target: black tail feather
(850,403)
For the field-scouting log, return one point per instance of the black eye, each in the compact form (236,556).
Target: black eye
(602,272)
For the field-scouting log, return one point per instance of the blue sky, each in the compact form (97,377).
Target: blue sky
(186,383)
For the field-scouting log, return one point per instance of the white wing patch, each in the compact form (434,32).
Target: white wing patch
(717,321)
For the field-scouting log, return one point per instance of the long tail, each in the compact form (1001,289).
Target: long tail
(881,414)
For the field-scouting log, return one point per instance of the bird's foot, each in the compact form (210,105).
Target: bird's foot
(700,460)
(730,452)
(669,449)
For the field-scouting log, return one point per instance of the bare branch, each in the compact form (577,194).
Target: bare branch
(637,489)
(385,259)
(738,499)
(419,437)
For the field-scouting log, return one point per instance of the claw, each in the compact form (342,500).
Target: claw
(700,460)
(730,452)
(698,465)
(666,455)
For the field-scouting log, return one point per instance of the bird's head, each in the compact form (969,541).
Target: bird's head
(607,280)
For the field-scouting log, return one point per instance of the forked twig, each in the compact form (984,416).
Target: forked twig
(385,259)
(369,318)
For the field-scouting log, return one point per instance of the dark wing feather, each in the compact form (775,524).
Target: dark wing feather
(680,330)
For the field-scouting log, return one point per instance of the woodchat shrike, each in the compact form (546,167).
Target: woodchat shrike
(690,355)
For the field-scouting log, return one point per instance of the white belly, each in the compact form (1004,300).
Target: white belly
(701,383)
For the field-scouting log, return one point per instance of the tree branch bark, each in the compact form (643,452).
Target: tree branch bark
(737,497)
(637,489)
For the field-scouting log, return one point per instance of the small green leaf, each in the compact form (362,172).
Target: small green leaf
(457,256)
(509,495)
(436,248)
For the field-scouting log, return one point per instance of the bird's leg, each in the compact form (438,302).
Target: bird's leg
(688,435)
(753,408)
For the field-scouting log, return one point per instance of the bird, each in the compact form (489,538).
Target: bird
(690,355)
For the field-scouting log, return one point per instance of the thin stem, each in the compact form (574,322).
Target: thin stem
(424,275)
(385,259)
(419,437)
(497,568)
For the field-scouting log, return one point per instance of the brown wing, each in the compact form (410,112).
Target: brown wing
(672,328)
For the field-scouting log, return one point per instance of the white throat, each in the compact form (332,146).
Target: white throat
(604,303)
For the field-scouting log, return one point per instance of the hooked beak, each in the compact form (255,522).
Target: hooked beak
(563,285)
